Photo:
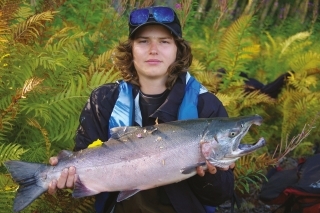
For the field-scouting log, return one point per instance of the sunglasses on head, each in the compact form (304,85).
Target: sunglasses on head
(160,15)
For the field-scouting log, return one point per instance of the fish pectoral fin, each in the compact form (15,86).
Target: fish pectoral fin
(126,194)
(80,190)
(189,169)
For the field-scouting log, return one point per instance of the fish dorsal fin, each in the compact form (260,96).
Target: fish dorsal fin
(126,194)
(117,132)
(64,154)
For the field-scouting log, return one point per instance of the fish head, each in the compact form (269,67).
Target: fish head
(221,140)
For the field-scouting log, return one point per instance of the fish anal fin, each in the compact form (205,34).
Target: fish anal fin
(126,194)
(80,190)
(190,169)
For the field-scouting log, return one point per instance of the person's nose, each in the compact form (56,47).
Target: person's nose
(153,48)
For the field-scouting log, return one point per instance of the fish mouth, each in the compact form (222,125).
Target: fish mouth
(244,149)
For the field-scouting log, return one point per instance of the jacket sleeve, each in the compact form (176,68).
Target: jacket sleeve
(212,189)
(94,118)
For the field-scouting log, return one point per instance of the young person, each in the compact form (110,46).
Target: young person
(154,64)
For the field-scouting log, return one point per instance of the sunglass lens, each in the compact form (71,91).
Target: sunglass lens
(139,16)
(163,14)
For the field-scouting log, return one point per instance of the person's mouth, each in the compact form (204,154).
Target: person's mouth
(153,61)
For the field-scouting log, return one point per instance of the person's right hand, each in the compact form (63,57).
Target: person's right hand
(66,180)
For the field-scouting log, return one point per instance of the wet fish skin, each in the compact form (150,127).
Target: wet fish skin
(139,158)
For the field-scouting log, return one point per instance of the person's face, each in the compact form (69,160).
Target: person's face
(154,50)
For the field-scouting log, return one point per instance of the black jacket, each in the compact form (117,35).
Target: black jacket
(185,196)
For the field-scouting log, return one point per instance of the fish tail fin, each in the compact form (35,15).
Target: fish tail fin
(30,186)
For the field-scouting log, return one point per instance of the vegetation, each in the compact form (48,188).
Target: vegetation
(53,53)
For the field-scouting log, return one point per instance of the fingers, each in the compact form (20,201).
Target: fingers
(211,168)
(52,187)
(66,180)
(71,177)
(200,171)
(53,161)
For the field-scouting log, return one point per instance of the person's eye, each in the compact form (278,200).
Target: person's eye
(142,41)
(165,41)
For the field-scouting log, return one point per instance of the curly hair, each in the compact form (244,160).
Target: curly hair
(124,61)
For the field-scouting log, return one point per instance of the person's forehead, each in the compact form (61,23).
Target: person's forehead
(153,30)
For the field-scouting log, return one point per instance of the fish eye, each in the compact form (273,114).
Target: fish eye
(233,133)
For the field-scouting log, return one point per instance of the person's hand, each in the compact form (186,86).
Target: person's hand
(212,169)
(66,180)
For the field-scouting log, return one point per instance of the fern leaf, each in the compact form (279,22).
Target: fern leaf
(304,62)
(10,152)
(297,37)
(23,13)
(60,34)
(255,98)
(232,44)
(100,63)
(30,28)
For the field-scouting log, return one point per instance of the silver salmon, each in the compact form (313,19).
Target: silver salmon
(140,158)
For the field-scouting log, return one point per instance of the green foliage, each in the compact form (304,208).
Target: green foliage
(10,152)
(48,67)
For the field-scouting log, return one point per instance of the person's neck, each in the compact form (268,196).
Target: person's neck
(152,86)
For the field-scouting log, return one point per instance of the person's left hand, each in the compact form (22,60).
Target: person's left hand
(212,169)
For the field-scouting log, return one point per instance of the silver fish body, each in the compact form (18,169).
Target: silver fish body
(139,158)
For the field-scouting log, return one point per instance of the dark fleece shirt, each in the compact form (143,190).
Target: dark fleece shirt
(185,196)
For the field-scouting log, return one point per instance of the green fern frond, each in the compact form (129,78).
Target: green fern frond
(30,29)
(10,152)
(305,61)
(209,79)
(297,37)
(65,108)
(297,106)
(232,46)
(23,13)
(197,66)
(99,65)
(303,83)
(226,99)
(250,52)
(64,32)
(250,169)
(254,98)
(99,78)
(205,49)
(68,41)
